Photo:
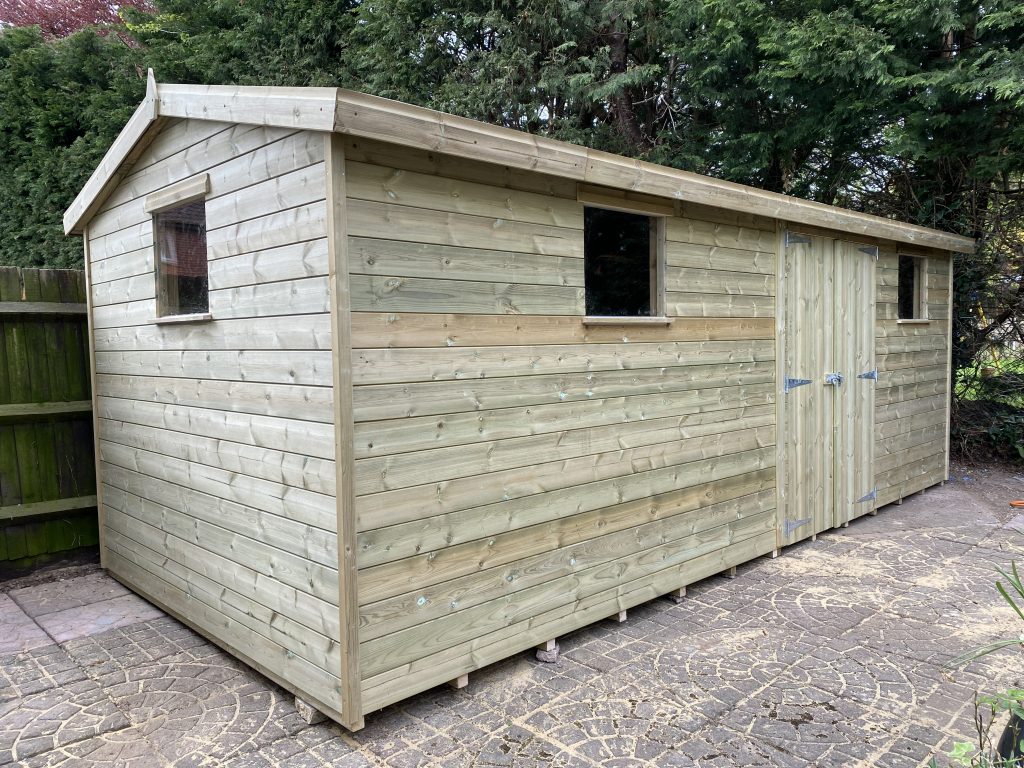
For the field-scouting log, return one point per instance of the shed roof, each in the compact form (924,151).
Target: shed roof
(358,114)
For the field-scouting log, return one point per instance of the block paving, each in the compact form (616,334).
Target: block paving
(833,654)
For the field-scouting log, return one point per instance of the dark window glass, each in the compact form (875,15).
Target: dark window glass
(181,269)
(617,262)
(909,288)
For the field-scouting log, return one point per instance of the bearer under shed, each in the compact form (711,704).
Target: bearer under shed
(384,395)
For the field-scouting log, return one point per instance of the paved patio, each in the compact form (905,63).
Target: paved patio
(830,655)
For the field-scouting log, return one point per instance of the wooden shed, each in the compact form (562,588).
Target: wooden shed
(385,395)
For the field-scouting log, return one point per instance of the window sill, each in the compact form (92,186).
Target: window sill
(625,320)
(913,321)
(198,317)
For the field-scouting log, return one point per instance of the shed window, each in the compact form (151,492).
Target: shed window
(911,300)
(181,270)
(621,253)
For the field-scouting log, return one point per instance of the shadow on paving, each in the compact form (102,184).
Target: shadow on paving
(830,655)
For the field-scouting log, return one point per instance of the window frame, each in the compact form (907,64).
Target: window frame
(191,190)
(657,216)
(920,312)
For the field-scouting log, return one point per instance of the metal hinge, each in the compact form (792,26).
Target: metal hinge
(873,375)
(869,496)
(792,238)
(790,384)
(870,250)
(791,525)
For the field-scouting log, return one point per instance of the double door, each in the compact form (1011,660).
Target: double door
(827,387)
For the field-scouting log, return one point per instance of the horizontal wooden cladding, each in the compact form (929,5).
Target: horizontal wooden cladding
(404,680)
(264,333)
(718,305)
(138,531)
(299,588)
(289,190)
(393,401)
(254,156)
(380,257)
(268,367)
(938,386)
(374,330)
(903,360)
(907,478)
(700,232)
(255,632)
(907,376)
(888,311)
(931,441)
(383,184)
(510,476)
(370,219)
(295,261)
(687,280)
(888,328)
(435,533)
(902,409)
(629,414)
(283,227)
(291,469)
(592,447)
(290,519)
(412,365)
(291,297)
(439,598)
(700,256)
(302,437)
(284,400)
(910,423)
(919,343)
(413,294)
(393,579)
(405,646)
(390,155)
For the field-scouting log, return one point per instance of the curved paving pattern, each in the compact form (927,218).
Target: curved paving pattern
(831,655)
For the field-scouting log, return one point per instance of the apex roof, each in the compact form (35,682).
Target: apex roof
(358,114)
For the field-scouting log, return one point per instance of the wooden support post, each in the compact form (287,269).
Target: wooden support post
(899,501)
(459,682)
(677,595)
(776,552)
(621,617)
(730,573)
(873,512)
(846,524)
(548,652)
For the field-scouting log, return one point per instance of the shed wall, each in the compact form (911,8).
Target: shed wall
(519,474)
(912,399)
(216,438)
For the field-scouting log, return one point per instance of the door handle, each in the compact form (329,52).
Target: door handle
(835,379)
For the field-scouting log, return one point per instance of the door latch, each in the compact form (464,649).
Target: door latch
(835,379)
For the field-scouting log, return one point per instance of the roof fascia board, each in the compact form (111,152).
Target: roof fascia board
(112,167)
(307,108)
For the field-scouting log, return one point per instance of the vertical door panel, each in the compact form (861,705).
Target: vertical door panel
(807,428)
(854,340)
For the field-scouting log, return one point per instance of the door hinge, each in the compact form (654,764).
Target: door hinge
(869,496)
(873,375)
(791,525)
(792,238)
(790,384)
(870,250)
